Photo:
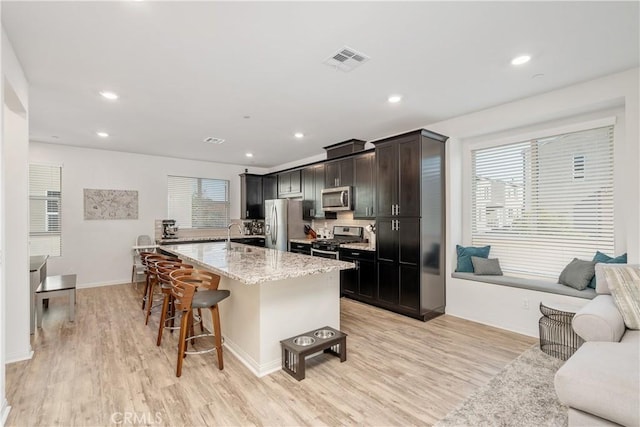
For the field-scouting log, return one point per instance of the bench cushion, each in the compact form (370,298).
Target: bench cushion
(531,284)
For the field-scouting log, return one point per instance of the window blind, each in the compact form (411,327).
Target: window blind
(45,210)
(198,202)
(542,202)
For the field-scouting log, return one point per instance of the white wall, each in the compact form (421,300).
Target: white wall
(615,94)
(99,252)
(14,260)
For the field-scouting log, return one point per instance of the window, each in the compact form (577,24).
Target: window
(199,202)
(542,202)
(45,210)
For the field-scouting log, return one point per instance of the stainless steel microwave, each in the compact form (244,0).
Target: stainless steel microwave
(336,199)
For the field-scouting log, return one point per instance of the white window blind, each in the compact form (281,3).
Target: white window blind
(45,210)
(542,202)
(199,202)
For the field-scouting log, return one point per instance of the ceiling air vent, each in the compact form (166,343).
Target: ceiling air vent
(346,59)
(212,140)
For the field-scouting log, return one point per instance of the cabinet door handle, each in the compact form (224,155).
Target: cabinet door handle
(357,263)
(393,225)
(247,214)
(397,209)
(355,254)
(397,225)
(312,212)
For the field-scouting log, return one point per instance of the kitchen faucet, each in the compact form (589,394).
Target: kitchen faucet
(229,232)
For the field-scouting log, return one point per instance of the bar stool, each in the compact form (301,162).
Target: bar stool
(168,313)
(152,267)
(148,261)
(185,282)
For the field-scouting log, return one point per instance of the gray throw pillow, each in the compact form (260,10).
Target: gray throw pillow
(486,267)
(577,274)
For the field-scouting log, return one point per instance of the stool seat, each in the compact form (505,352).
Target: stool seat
(206,299)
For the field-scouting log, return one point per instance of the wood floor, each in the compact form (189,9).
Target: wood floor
(105,369)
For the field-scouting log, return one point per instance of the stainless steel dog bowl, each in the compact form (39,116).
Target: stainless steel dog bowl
(304,341)
(324,334)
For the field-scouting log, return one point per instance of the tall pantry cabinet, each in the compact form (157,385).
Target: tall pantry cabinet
(410,223)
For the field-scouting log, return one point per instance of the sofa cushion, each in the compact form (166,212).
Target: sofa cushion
(602,379)
(599,320)
(464,256)
(486,267)
(603,258)
(624,284)
(577,274)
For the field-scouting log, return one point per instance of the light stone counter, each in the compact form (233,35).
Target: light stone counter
(253,265)
(275,295)
(213,238)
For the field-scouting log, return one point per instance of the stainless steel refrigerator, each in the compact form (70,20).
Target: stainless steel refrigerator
(283,221)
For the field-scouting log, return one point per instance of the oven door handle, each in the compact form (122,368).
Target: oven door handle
(319,251)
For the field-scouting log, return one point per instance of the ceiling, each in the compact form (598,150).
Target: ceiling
(252,73)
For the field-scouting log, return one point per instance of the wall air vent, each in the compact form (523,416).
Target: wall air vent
(346,59)
(212,140)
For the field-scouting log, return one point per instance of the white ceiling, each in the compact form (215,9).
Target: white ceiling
(188,70)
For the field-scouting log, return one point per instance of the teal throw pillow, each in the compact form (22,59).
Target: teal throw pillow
(606,259)
(464,257)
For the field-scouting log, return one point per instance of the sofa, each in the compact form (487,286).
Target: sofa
(600,383)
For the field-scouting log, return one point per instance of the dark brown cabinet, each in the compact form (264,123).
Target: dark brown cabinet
(398,177)
(289,184)
(251,196)
(409,198)
(359,283)
(364,186)
(270,187)
(312,186)
(339,173)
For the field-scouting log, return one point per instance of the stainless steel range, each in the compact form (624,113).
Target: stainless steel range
(329,248)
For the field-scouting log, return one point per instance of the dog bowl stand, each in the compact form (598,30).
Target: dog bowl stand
(293,355)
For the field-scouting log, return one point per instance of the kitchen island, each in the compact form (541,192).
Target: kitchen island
(274,295)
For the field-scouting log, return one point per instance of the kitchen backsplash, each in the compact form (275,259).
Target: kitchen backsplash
(202,232)
(344,218)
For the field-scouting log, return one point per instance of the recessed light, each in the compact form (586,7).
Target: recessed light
(394,99)
(249,154)
(109,95)
(519,60)
(212,140)
(299,135)
(102,134)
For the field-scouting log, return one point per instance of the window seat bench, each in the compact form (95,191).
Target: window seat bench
(530,284)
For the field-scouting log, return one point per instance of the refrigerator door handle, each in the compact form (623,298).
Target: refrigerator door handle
(274,235)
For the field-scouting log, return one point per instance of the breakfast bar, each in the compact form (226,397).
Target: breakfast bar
(274,295)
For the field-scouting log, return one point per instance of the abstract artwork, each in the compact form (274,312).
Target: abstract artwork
(110,204)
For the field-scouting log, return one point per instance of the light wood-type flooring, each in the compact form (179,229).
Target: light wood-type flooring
(105,369)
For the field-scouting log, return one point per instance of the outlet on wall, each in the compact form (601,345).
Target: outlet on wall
(525,304)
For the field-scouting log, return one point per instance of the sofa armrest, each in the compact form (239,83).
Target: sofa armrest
(599,320)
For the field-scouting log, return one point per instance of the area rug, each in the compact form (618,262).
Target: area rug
(522,394)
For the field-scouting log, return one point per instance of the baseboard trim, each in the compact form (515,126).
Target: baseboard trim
(4,412)
(493,325)
(22,358)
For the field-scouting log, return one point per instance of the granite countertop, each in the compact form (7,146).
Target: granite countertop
(305,241)
(253,265)
(216,238)
(362,246)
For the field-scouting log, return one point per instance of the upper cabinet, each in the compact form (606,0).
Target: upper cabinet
(289,184)
(364,186)
(312,186)
(251,196)
(398,177)
(270,187)
(339,173)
